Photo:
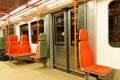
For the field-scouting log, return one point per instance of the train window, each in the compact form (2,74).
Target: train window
(59,29)
(24,29)
(34,30)
(11,30)
(114,23)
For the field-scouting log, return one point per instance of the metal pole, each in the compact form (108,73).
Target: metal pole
(75,48)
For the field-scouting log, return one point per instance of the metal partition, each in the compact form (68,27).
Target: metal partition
(63,36)
(59,39)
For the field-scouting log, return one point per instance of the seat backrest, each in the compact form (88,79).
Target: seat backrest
(14,45)
(43,37)
(85,53)
(24,44)
(43,45)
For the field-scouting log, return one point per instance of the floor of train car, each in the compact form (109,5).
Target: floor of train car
(16,70)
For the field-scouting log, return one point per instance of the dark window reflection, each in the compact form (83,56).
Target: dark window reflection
(11,30)
(34,29)
(24,29)
(114,23)
(59,29)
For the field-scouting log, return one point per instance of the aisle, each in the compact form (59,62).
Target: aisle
(31,71)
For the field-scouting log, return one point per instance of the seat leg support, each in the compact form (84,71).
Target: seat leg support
(86,76)
(96,76)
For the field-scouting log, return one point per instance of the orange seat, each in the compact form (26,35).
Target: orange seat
(99,69)
(25,45)
(87,62)
(14,48)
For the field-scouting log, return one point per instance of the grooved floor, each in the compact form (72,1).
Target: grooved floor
(32,71)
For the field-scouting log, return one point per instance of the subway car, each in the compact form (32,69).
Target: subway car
(59,39)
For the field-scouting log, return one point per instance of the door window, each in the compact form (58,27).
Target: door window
(59,29)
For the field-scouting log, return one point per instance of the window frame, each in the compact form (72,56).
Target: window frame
(33,24)
(113,19)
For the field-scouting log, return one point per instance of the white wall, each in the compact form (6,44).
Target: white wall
(106,55)
(17,31)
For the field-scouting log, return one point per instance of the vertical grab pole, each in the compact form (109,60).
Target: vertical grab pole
(8,25)
(75,48)
(75,55)
(26,3)
(38,24)
(5,37)
(38,35)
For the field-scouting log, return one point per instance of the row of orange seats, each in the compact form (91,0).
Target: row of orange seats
(15,48)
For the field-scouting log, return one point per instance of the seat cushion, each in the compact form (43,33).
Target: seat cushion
(25,47)
(98,69)
(22,54)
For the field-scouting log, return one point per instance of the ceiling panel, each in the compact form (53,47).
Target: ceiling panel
(7,6)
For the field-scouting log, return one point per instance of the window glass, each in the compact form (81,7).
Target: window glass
(114,23)
(24,29)
(11,30)
(34,30)
(59,28)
